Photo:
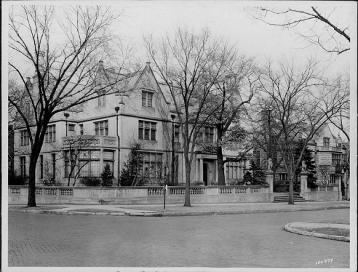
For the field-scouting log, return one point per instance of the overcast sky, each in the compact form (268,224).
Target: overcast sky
(227,20)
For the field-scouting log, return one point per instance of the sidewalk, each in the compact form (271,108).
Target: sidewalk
(179,209)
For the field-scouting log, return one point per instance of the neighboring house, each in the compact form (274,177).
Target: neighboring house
(328,152)
(144,117)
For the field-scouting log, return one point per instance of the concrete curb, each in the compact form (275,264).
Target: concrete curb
(247,211)
(146,214)
(74,212)
(174,213)
(315,234)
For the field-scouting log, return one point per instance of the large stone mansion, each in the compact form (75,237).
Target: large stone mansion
(104,133)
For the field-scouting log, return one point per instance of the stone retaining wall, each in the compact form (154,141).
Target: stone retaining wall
(323,193)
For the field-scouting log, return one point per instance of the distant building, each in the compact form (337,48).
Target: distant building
(10,153)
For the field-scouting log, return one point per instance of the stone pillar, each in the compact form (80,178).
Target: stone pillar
(303,182)
(216,172)
(184,171)
(225,175)
(201,169)
(197,170)
(269,180)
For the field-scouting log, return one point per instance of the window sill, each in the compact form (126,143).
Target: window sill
(148,108)
(150,141)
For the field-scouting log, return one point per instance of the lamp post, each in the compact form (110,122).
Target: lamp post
(269,131)
(66,114)
(173,151)
(118,143)
(118,138)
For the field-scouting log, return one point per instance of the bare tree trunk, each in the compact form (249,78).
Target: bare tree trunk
(290,194)
(35,152)
(290,186)
(31,202)
(221,169)
(220,157)
(187,180)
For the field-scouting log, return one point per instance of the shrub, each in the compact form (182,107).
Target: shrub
(17,180)
(91,181)
(107,176)
(311,181)
(50,182)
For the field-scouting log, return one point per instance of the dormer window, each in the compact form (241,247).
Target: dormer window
(101,100)
(24,138)
(147,99)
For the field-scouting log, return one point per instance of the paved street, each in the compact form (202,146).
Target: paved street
(240,240)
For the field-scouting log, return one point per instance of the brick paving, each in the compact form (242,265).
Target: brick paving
(240,240)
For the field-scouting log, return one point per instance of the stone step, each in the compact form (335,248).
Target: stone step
(296,198)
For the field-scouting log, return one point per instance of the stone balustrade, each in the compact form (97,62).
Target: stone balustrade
(139,195)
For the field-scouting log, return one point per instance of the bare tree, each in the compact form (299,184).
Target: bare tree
(228,100)
(72,152)
(190,65)
(64,45)
(321,27)
(324,172)
(302,101)
(341,120)
(263,132)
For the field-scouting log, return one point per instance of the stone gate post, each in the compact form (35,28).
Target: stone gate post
(303,182)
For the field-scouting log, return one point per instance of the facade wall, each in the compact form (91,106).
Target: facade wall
(130,114)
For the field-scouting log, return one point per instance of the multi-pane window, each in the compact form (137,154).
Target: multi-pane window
(336,159)
(108,158)
(71,127)
(50,134)
(176,133)
(147,130)
(151,166)
(69,163)
(332,179)
(101,100)
(89,161)
(23,166)
(232,171)
(41,166)
(209,134)
(325,141)
(24,137)
(282,176)
(147,99)
(53,165)
(101,128)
